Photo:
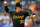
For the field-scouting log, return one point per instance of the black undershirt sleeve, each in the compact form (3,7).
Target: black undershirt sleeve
(9,12)
(26,14)
(6,9)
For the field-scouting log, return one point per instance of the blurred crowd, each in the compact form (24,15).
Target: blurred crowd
(28,5)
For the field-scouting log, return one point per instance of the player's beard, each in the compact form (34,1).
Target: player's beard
(17,10)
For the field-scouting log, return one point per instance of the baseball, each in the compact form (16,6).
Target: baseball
(5,2)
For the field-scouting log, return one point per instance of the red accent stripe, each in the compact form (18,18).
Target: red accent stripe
(27,26)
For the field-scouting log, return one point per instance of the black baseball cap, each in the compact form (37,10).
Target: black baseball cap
(18,4)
